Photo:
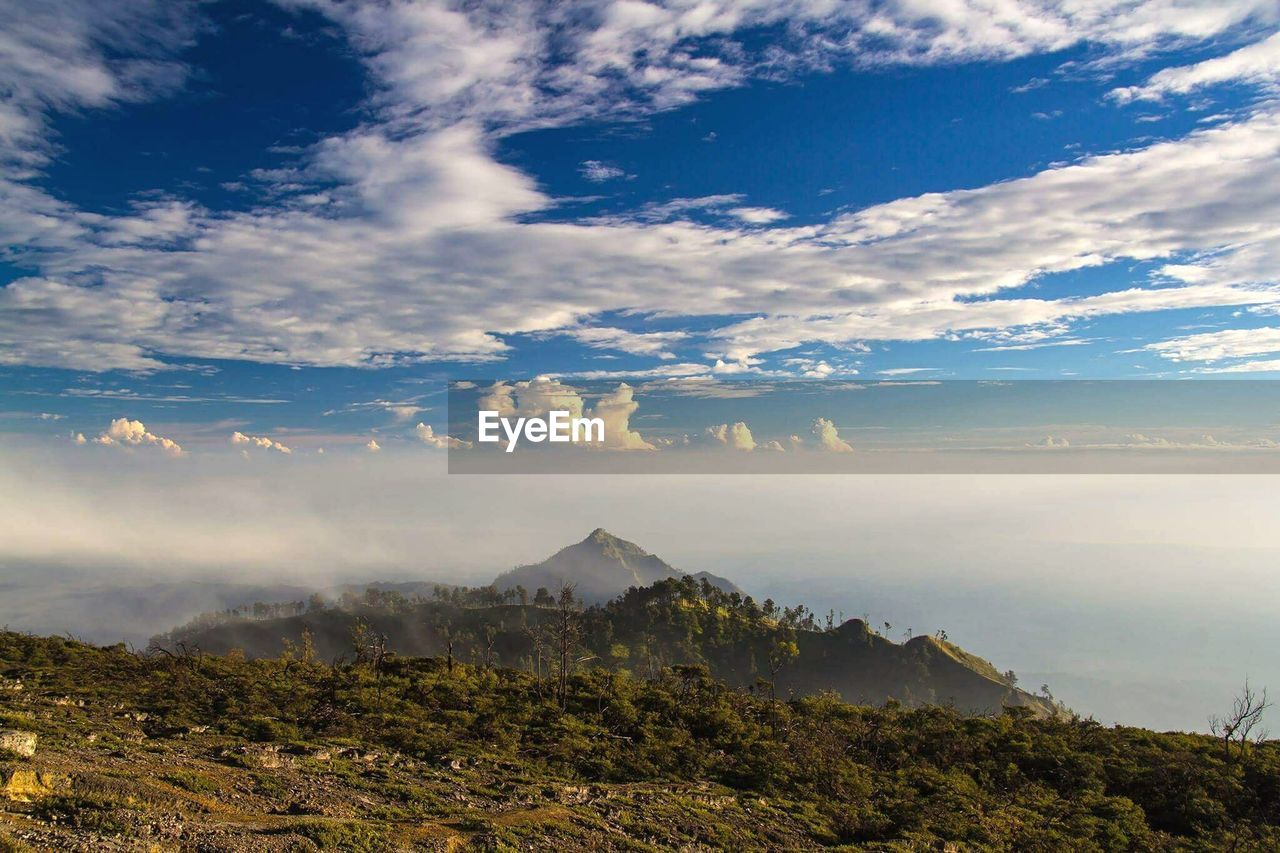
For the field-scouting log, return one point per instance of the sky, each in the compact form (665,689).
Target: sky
(247,244)
(306,215)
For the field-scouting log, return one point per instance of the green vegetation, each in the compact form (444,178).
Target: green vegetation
(782,651)
(386,752)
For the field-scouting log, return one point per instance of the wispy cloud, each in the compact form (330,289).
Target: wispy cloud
(1256,64)
(598,172)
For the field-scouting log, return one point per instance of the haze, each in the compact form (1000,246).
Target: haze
(1143,601)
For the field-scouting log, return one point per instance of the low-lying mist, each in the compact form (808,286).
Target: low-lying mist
(1143,600)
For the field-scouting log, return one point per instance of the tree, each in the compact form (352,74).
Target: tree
(782,651)
(543,598)
(307,652)
(1241,727)
(490,637)
(536,637)
(565,634)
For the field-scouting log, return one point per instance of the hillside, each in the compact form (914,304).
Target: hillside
(136,752)
(671,622)
(600,567)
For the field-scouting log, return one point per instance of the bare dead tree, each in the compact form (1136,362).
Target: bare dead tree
(448,644)
(565,634)
(537,643)
(1243,726)
(782,651)
(490,637)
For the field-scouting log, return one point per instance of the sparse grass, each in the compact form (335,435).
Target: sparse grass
(93,814)
(350,836)
(196,783)
(12,845)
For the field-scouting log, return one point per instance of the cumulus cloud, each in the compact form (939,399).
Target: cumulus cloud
(260,441)
(733,436)
(373,446)
(537,397)
(427,435)
(126,433)
(532,398)
(616,409)
(810,368)
(829,437)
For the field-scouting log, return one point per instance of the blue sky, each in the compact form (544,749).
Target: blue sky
(297,220)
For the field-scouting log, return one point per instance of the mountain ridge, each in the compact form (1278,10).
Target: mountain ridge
(651,626)
(600,567)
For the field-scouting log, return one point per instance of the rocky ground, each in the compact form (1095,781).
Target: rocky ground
(107,779)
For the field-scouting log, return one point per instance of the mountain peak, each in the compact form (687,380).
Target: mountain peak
(600,567)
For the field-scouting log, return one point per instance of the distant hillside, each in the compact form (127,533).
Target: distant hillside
(647,630)
(600,567)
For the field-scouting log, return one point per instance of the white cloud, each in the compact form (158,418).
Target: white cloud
(126,433)
(538,397)
(532,398)
(1217,346)
(733,436)
(810,368)
(598,172)
(680,370)
(829,437)
(744,364)
(535,65)
(427,435)
(636,343)
(79,54)
(373,446)
(1063,342)
(404,412)
(1265,366)
(757,215)
(616,409)
(260,441)
(1256,64)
